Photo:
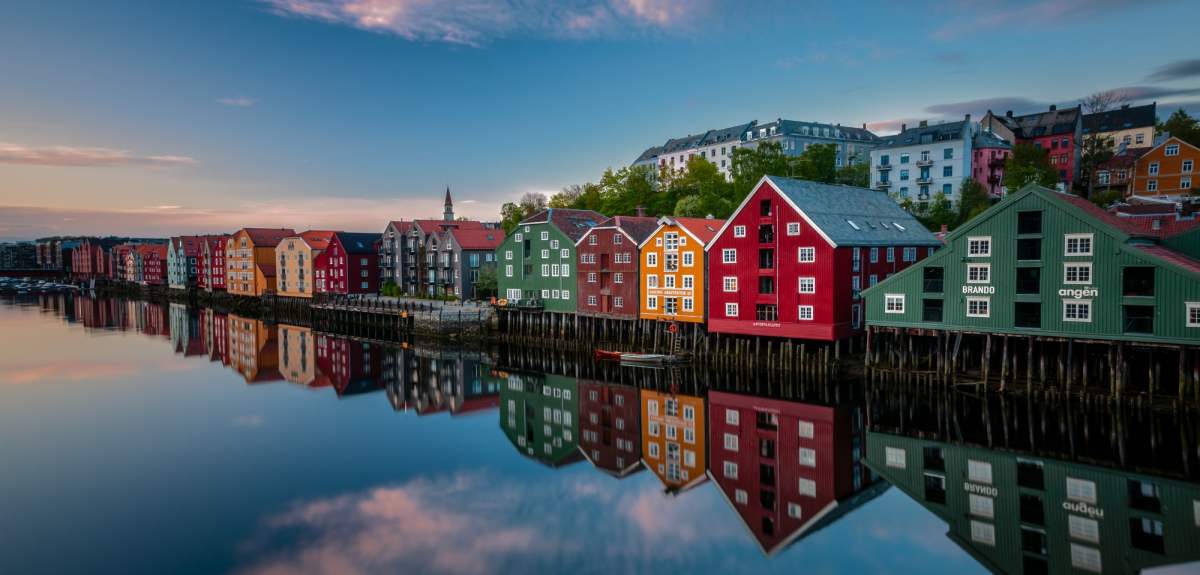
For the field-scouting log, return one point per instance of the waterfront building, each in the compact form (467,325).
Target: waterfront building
(295,257)
(787,468)
(433,380)
(250,260)
(253,350)
(610,431)
(462,254)
(183,261)
(1047,264)
(539,415)
(537,260)
(989,152)
(608,260)
(350,265)
(297,357)
(673,439)
(92,259)
(212,263)
(918,163)
(351,367)
(123,259)
(1117,173)
(1124,127)
(1017,510)
(1167,170)
(18,256)
(186,335)
(406,259)
(793,257)
(1058,132)
(673,267)
(150,264)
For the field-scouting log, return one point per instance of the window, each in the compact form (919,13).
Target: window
(689,259)
(689,282)
(808,457)
(979,306)
(893,303)
(894,457)
(979,273)
(1193,313)
(874,255)
(807,487)
(618,301)
(652,302)
(1077,273)
(593,240)
(565,253)
(740,496)
(948,154)
(1185,183)
(1152,186)
(729,256)
(793,229)
(979,246)
(808,285)
(739,231)
(979,471)
(731,310)
(651,259)
(732,416)
(1171,150)
(947,171)
(1086,558)
(764,208)
(806,255)
(653,447)
(1081,490)
(1029,222)
(1083,528)
(545,254)
(731,442)
(1153,168)
(1078,244)
(1077,310)
(618,278)
(730,470)
(982,506)
(730,283)
(891,254)
(984,533)
(805,313)
(1187,167)
(794,510)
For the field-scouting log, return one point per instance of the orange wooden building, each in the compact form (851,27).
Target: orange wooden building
(673,268)
(250,260)
(1168,169)
(673,436)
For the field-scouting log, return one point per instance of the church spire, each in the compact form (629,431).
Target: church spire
(448,212)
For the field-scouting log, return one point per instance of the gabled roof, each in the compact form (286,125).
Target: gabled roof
(189,246)
(357,242)
(1131,226)
(573,223)
(430,226)
(317,239)
(850,216)
(636,228)
(985,139)
(1124,118)
(1048,123)
(703,229)
(793,127)
(946,132)
(268,237)
(480,239)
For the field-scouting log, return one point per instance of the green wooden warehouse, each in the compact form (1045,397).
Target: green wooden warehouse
(540,415)
(1059,276)
(537,260)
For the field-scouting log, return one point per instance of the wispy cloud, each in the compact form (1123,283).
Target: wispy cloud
(982,105)
(238,102)
(1176,71)
(476,22)
(1141,93)
(1022,15)
(68,156)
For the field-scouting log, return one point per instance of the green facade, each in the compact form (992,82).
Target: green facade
(540,416)
(1031,508)
(536,268)
(1026,289)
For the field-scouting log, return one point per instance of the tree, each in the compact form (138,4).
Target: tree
(701,190)
(749,165)
(485,286)
(511,213)
(973,199)
(817,163)
(939,213)
(858,174)
(1095,150)
(1182,126)
(1028,164)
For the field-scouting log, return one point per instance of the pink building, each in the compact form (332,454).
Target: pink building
(988,154)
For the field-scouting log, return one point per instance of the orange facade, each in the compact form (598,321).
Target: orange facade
(250,260)
(1167,170)
(673,436)
(672,269)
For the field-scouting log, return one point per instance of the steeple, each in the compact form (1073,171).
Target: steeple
(448,213)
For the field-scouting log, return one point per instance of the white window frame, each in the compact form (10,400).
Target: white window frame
(731,310)
(984,241)
(1082,265)
(1083,528)
(807,457)
(688,259)
(729,256)
(1171,150)
(807,487)
(731,442)
(809,251)
(1188,308)
(893,303)
(981,505)
(1076,490)
(984,533)
(651,259)
(730,470)
(809,282)
(1091,244)
(987,302)
(732,417)
(895,457)
(805,313)
(793,228)
(1086,558)
(979,471)
(987,273)
(739,231)
(729,284)
(1087,303)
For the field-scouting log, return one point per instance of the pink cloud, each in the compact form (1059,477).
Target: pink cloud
(67,156)
(67,371)
(1023,15)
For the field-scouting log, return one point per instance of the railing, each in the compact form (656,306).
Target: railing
(883,185)
(924,179)
(923,163)
(883,167)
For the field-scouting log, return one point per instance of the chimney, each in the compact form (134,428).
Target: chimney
(903,127)
(1008,114)
(924,124)
(967,118)
(1053,107)
(641,211)
(864,125)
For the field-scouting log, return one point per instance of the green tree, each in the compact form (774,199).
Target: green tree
(1028,164)
(485,286)
(939,212)
(701,189)
(818,163)
(511,213)
(1095,149)
(1183,126)
(858,174)
(973,199)
(749,165)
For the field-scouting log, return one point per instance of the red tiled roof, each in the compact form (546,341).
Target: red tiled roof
(268,237)
(703,228)
(432,226)
(317,239)
(1172,256)
(638,227)
(158,249)
(480,239)
(1125,225)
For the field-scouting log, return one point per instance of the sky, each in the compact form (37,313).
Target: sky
(165,118)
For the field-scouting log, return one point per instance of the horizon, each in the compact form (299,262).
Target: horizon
(346,114)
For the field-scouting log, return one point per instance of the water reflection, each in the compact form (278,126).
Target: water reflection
(1022,487)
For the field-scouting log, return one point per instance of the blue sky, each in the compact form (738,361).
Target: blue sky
(173,117)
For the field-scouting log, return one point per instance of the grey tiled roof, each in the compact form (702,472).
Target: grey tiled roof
(984,139)
(1123,118)
(1058,121)
(936,133)
(851,216)
(793,127)
(358,243)
(574,223)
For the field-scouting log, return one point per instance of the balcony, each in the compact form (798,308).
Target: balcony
(996,163)
(924,180)
(924,162)
(883,167)
(882,185)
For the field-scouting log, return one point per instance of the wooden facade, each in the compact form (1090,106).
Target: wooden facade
(250,260)
(672,269)
(1168,169)
(673,438)
(608,261)
(537,261)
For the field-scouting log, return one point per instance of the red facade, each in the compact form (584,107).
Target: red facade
(608,257)
(212,263)
(987,167)
(610,427)
(154,264)
(349,266)
(784,465)
(769,283)
(90,260)
(349,365)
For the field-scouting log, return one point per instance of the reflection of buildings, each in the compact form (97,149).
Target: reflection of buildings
(673,438)
(350,366)
(538,413)
(296,360)
(252,350)
(433,381)
(99,313)
(147,318)
(186,334)
(1016,512)
(216,335)
(787,468)
(610,427)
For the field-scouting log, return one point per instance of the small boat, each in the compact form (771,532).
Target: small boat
(602,354)
(639,358)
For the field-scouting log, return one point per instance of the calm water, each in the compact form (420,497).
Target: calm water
(145,438)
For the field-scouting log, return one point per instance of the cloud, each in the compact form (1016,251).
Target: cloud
(238,102)
(476,22)
(1177,70)
(67,371)
(67,156)
(1139,93)
(1021,15)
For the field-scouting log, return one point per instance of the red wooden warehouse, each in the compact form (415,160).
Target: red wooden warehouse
(787,468)
(350,265)
(607,257)
(792,259)
(610,430)
(212,263)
